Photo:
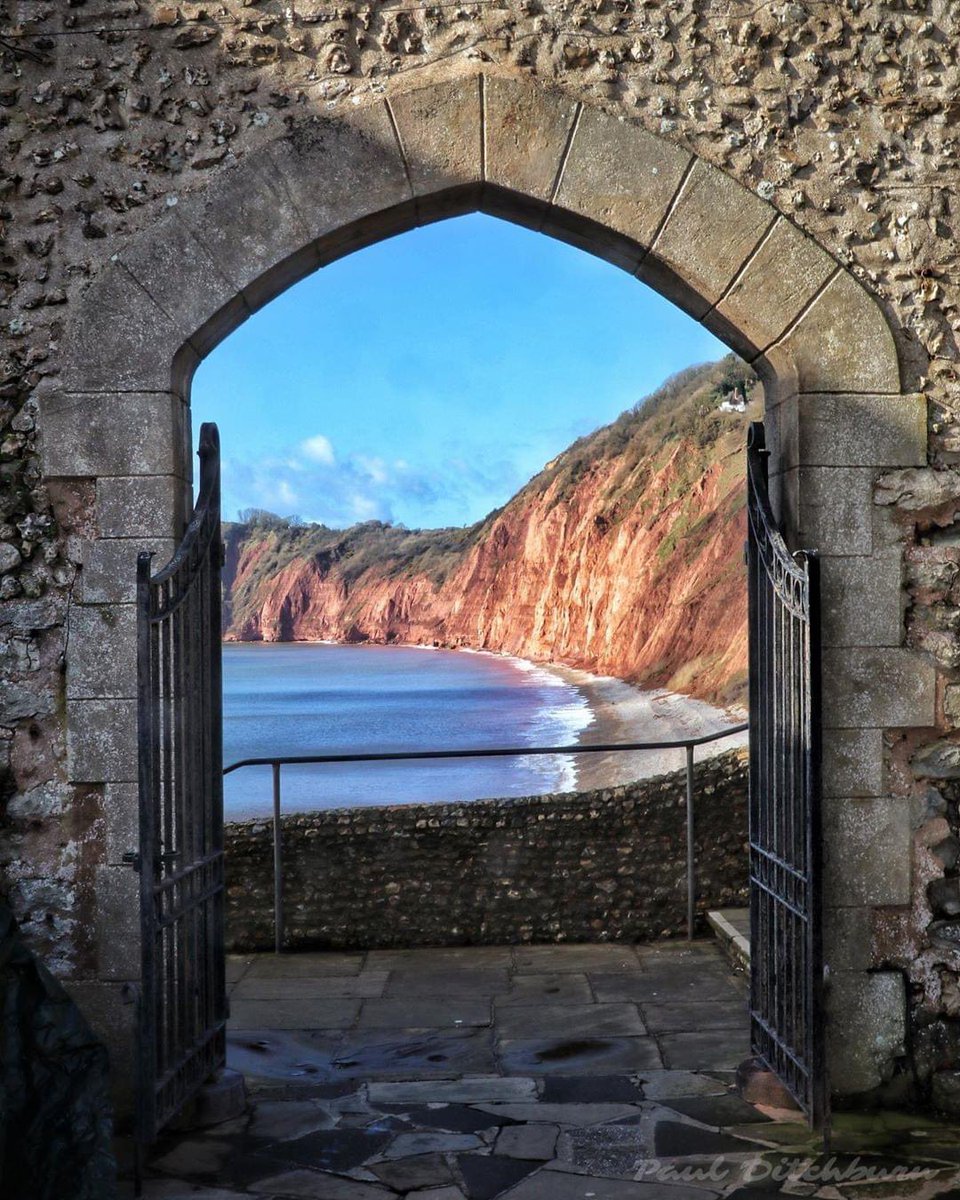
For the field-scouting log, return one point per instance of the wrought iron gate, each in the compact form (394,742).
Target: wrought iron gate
(183,993)
(786,1002)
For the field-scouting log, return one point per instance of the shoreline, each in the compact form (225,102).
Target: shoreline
(624,712)
(620,711)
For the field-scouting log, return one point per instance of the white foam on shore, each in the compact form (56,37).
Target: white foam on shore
(626,713)
(561,724)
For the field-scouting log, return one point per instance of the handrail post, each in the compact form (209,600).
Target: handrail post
(691,880)
(277,865)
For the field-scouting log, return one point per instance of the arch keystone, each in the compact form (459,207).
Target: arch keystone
(440,129)
(526,131)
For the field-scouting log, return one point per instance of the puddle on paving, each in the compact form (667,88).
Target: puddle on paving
(569,1051)
(415,1052)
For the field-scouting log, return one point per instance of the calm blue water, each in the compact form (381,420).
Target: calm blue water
(297,698)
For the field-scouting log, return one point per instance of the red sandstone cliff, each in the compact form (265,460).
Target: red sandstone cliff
(624,556)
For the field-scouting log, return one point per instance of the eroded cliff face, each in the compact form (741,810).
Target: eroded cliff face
(624,556)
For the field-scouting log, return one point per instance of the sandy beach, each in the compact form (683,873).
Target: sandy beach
(625,713)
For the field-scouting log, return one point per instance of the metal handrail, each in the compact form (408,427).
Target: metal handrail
(278,761)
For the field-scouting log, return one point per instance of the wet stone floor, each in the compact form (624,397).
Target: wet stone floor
(592,1072)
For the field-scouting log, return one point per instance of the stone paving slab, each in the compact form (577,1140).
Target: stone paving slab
(470,957)
(478,1089)
(362,986)
(539,960)
(454,983)
(405,1054)
(273,1057)
(710,985)
(304,1013)
(586,1055)
(237,967)
(319,1186)
(556,1185)
(571,988)
(721,1049)
(290,966)
(418,1012)
(350,1111)
(536,1142)
(686,1016)
(570,1020)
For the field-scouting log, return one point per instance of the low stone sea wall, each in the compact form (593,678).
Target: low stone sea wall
(604,865)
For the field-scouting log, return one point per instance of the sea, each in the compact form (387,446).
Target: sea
(297,698)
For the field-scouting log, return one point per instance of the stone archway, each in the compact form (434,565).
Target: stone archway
(835,411)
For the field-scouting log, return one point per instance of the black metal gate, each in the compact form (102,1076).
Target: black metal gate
(786,1000)
(183,993)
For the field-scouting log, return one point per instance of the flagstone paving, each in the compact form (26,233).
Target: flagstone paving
(536,1073)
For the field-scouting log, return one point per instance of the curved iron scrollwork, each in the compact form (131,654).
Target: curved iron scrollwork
(786,1001)
(183,991)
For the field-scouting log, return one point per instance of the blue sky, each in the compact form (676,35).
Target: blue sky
(425,379)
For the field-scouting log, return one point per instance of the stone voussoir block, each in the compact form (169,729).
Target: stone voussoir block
(842,343)
(343,168)
(113,433)
(120,339)
(440,130)
(183,278)
(526,133)
(788,269)
(622,179)
(711,230)
(250,227)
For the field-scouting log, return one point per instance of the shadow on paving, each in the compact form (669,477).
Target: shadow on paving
(594,1072)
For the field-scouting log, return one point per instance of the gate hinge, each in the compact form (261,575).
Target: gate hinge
(132,859)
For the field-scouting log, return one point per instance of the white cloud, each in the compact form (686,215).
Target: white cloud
(374,468)
(319,449)
(286,493)
(365,508)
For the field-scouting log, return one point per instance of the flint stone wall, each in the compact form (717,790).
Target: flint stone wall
(841,117)
(605,865)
